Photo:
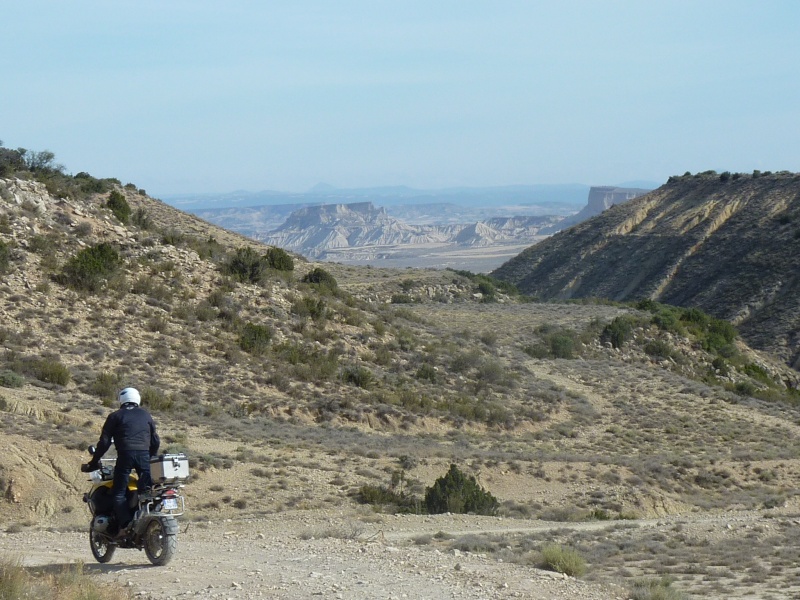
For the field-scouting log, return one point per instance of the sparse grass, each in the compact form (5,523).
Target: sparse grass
(655,589)
(71,583)
(563,560)
(10,379)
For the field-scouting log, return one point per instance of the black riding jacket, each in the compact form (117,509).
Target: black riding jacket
(132,429)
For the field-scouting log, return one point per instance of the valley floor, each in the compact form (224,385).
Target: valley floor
(359,554)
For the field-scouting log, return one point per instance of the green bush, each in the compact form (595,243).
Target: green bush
(10,379)
(456,492)
(758,373)
(155,399)
(356,375)
(322,278)
(105,386)
(5,256)
(206,249)
(655,589)
(720,335)
(395,502)
(308,306)
(694,315)
(246,265)
(536,350)
(119,206)
(668,320)
(494,284)
(279,259)
(719,364)
(714,335)
(141,219)
(51,371)
(658,349)
(402,299)
(488,290)
(562,345)
(619,331)
(563,560)
(91,185)
(427,372)
(91,267)
(255,339)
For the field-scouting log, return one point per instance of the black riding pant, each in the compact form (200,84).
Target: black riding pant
(138,461)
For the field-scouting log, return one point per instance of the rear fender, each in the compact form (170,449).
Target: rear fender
(169,523)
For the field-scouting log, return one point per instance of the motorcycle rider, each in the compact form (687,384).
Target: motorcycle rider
(133,432)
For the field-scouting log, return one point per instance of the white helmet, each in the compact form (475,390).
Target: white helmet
(129,395)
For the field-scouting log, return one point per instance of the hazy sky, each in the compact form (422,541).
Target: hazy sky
(198,96)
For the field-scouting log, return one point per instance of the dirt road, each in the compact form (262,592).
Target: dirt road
(307,555)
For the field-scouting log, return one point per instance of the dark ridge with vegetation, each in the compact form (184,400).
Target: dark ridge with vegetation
(728,244)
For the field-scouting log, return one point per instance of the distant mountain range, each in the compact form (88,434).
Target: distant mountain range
(358,230)
(541,196)
(729,245)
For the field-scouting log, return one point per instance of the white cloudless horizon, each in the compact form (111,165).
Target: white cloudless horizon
(200,97)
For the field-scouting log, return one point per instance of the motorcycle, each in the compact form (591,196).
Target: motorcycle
(154,527)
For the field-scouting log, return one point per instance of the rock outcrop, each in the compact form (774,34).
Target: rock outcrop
(316,230)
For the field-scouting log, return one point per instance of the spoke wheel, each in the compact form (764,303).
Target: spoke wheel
(102,549)
(159,546)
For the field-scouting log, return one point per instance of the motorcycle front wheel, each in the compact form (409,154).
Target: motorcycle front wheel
(102,549)
(159,545)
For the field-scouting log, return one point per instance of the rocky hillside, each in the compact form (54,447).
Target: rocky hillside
(315,231)
(729,245)
(297,387)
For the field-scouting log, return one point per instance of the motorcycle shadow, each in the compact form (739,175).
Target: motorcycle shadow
(91,568)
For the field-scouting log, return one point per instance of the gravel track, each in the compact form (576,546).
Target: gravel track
(294,556)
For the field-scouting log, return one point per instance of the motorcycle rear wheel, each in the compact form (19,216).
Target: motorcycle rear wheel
(102,549)
(159,545)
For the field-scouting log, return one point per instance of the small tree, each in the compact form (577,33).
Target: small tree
(562,345)
(246,265)
(279,259)
(255,339)
(322,278)
(39,161)
(5,252)
(119,206)
(617,332)
(459,493)
(10,162)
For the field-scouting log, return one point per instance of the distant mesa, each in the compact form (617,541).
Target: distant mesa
(601,198)
(316,231)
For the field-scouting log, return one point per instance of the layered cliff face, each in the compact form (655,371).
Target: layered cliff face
(317,230)
(731,248)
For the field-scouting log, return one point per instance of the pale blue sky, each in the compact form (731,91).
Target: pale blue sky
(204,96)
